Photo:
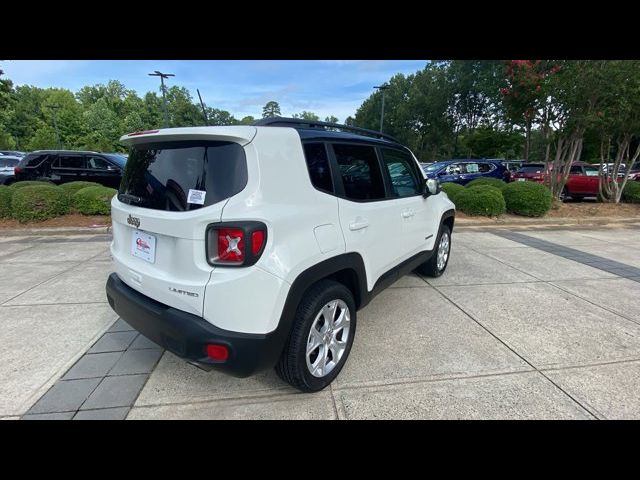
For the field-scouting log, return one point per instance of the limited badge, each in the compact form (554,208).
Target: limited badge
(196,197)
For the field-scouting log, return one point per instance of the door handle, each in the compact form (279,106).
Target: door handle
(358,225)
(408,213)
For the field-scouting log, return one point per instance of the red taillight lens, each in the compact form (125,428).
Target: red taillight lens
(230,245)
(17,170)
(219,353)
(145,132)
(236,244)
(257,241)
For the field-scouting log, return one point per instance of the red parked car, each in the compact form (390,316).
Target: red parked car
(582,181)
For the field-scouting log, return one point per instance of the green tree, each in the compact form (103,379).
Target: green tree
(271,109)
(331,119)
(220,117)
(248,120)
(304,115)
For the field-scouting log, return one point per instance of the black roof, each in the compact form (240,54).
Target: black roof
(309,129)
(62,151)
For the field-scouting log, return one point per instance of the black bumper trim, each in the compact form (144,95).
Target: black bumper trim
(186,335)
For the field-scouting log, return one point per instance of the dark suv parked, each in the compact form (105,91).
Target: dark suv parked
(62,166)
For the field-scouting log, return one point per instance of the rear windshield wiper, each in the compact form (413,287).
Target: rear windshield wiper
(127,198)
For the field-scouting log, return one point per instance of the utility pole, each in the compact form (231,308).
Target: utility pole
(162,76)
(55,124)
(382,88)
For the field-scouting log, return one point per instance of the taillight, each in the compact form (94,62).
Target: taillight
(17,170)
(219,353)
(235,244)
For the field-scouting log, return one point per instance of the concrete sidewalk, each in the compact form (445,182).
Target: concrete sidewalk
(528,324)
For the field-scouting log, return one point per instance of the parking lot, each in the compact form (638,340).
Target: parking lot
(535,323)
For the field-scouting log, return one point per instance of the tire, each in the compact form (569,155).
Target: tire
(564,195)
(430,268)
(295,366)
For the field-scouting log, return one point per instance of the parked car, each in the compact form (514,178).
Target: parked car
(257,245)
(634,172)
(583,180)
(463,171)
(512,166)
(12,153)
(7,166)
(62,166)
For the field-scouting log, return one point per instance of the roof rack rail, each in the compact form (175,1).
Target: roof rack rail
(292,122)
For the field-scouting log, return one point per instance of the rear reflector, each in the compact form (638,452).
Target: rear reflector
(257,241)
(219,353)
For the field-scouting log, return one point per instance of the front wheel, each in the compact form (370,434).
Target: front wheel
(437,264)
(321,338)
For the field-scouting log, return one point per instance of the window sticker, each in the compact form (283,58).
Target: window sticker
(196,197)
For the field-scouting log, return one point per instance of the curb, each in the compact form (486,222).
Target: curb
(22,232)
(547,222)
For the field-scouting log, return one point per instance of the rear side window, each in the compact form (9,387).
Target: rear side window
(576,170)
(318,165)
(33,160)
(403,177)
(360,172)
(183,176)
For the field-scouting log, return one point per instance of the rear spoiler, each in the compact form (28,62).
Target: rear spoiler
(238,134)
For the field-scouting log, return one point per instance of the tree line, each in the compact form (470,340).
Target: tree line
(553,111)
(95,117)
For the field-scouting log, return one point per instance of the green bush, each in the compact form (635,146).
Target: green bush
(72,187)
(630,194)
(38,202)
(530,199)
(452,190)
(93,200)
(493,182)
(482,200)
(29,183)
(5,201)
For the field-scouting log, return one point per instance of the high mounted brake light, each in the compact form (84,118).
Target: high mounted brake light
(235,244)
(144,132)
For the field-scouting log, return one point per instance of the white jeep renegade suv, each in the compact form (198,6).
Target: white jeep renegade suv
(244,247)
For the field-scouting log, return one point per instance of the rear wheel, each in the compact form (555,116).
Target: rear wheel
(321,338)
(437,264)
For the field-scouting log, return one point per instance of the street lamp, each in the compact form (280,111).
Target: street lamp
(382,88)
(162,76)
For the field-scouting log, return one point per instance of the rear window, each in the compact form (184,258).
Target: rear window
(183,176)
(33,160)
(532,169)
(8,162)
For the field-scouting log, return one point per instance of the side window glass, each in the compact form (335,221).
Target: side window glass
(403,178)
(97,163)
(318,165)
(71,162)
(472,168)
(485,167)
(360,172)
(454,169)
(591,171)
(576,170)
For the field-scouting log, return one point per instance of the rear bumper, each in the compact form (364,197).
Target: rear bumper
(187,335)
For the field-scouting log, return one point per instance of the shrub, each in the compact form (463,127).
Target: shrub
(493,182)
(30,183)
(5,201)
(481,200)
(631,192)
(530,199)
(72,187)
(93,200)
(38,202)
(452,190)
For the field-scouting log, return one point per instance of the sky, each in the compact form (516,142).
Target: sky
(242,87)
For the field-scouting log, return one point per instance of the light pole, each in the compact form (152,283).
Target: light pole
(382,88)
(162,76)
(55,124)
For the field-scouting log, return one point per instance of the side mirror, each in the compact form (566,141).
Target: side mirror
(431,187)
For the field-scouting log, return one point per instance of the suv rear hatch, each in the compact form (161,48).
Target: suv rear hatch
(175,183)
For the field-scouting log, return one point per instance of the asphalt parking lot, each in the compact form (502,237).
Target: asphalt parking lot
(528,324)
